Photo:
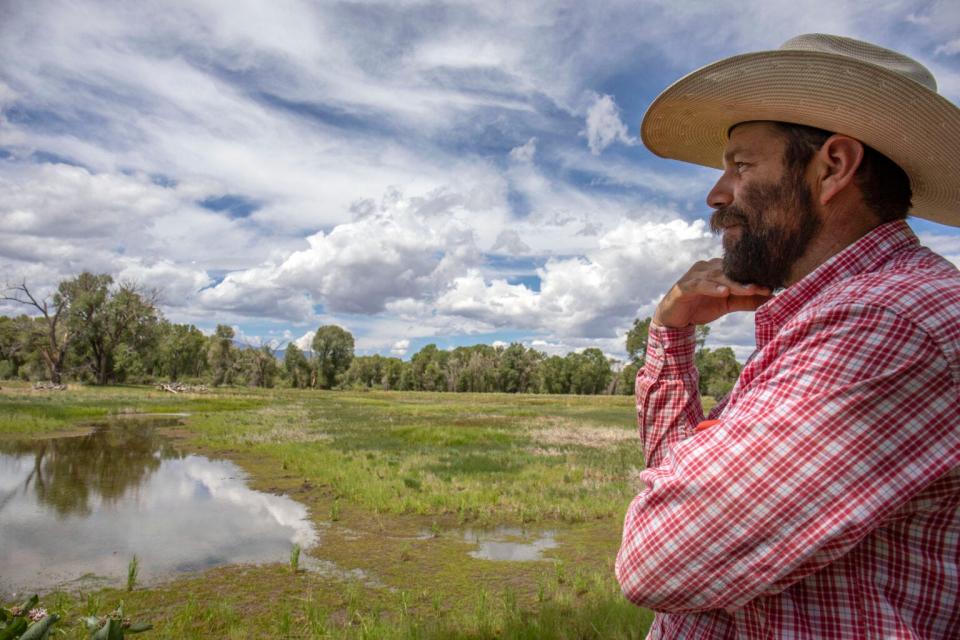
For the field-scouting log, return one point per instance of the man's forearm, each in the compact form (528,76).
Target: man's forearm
(668,398)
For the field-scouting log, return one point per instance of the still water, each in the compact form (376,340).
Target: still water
(74,511)
(507,543)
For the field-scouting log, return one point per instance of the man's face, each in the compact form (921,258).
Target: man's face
(765,211)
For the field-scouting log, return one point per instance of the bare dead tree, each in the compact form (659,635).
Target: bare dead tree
(54,351)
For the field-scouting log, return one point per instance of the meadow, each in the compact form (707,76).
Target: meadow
(395,481)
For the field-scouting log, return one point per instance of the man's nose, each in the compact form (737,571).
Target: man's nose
(721,195)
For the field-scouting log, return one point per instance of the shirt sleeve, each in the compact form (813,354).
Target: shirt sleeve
(667,393)
(845,418)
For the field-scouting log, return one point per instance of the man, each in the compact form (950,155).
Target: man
(822,498)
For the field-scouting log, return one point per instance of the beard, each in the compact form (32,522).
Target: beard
(777,223)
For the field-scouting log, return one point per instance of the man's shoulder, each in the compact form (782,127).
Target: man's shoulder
(914,282)
(918,286)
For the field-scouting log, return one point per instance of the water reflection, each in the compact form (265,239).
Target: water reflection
(80,505)
(506,543)
(67,473)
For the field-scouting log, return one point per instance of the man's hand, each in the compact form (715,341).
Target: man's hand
(704,294)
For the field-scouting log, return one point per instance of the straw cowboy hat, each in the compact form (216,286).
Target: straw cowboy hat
(880,97)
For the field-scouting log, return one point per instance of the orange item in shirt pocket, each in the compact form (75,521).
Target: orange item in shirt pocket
(706,424)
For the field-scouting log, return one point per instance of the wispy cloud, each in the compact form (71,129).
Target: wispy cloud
(604,126)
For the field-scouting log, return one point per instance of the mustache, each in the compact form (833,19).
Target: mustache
(726,217)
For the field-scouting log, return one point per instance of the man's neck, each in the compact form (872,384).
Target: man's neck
(839,230)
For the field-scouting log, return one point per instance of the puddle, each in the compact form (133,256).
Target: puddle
(76,510)
(506,543)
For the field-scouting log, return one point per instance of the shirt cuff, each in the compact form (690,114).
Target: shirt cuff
(670,352)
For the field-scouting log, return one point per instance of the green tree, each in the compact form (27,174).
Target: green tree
(718,369)
(428,369)
(589,371)
(182,351)
(554,375)
(637,340)
(15,344)
(260,366)
(52,340)
(333,351)
(222,355)
(517,370)
(296,367)
(102,319)
(628,379)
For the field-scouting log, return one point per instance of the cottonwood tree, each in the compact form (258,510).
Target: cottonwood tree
(260,366)
(296,367)
(182,351)
(222,355)
(333,352)
(56,341)
(105,320)
(16,341)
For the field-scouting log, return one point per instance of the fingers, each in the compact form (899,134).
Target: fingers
(707,278)
(704,294)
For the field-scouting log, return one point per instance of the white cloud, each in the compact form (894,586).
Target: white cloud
(948,49)
(254,293)
(525,152)
(509,241)
(587,296)
(400,348)
(604,126)
(402,248)
(947,246)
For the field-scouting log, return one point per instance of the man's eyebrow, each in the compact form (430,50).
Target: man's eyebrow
(732,151)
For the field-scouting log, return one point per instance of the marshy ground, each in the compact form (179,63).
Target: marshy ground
(437,515)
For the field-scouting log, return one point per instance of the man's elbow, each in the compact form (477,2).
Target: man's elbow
(664,590)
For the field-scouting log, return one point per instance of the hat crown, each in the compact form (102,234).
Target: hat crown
(863,52)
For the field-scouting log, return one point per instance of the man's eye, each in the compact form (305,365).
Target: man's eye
(739,166)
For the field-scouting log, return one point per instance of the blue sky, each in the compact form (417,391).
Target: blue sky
(449,172)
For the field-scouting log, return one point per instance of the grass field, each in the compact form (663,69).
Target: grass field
(393,480)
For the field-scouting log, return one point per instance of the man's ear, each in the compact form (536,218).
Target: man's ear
(838,160)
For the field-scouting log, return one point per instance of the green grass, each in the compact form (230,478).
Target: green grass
(376,470)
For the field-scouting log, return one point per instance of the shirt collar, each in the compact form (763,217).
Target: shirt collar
(866,254)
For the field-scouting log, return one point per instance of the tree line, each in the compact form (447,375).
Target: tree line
(95,330)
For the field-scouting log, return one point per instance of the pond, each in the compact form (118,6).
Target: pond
(75,510)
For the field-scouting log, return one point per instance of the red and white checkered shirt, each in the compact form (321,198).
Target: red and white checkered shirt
(825,503)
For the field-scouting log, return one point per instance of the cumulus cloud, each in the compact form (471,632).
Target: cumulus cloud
(604,126)
(400,348)
(254,293)
(401,248)
(590,295)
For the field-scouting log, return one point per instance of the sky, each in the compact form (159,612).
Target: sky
(416,172)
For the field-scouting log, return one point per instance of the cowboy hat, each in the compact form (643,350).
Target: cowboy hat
(880,97)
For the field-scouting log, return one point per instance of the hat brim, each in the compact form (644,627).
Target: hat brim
(915,127)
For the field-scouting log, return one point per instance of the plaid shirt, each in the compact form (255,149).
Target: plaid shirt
(825,502)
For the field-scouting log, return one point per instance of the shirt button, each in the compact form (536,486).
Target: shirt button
(658,350)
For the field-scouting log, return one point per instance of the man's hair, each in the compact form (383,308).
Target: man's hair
(884,185)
